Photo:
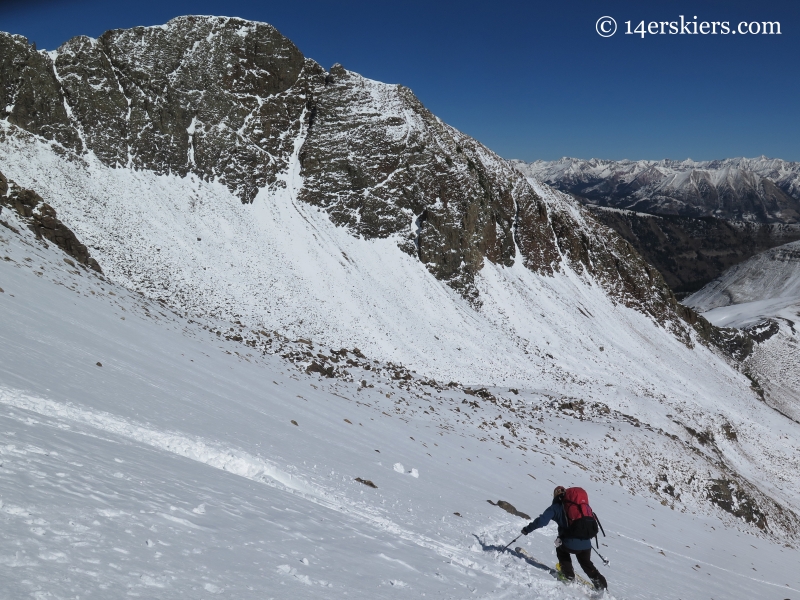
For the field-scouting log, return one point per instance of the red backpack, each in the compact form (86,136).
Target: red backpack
(582,523)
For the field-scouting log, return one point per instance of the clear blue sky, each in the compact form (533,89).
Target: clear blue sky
(529,79)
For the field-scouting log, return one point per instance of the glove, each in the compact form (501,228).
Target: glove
(527,529)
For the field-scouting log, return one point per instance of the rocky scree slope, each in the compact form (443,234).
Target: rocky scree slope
(760,190)
(41,218)
(231,101)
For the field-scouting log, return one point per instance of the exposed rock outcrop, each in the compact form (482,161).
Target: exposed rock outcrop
(43,221)
(236,102)
(218,97)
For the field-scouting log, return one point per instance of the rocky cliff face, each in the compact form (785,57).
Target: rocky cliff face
(760,190)
(382,165)
(236,102)
(221,98)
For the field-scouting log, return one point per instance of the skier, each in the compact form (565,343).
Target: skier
(565,546)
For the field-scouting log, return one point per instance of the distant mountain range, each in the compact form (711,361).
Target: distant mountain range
(761,190)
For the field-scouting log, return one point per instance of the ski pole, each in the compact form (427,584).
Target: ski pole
(605,560)
(511,542)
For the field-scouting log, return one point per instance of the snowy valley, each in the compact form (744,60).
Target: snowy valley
(305,378)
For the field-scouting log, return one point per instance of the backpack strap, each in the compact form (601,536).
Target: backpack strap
(600,524)
(596,543)
(564,505)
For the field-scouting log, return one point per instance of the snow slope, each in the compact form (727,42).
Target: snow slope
(773,275)
(762,294)
(255,398)
(280,265)
(174,469)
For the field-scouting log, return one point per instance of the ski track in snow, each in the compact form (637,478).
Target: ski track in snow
(233,461)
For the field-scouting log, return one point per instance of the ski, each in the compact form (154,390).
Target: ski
(523,552)
(578,578)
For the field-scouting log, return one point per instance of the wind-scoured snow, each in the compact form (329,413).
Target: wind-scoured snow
(141,455)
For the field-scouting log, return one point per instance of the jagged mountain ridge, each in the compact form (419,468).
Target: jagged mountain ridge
(234,102)
(761,190)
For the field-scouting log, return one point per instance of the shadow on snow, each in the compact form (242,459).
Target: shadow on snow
(530,560)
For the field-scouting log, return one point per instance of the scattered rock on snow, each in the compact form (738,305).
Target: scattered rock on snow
(42,220)
(509,508)
(316,367)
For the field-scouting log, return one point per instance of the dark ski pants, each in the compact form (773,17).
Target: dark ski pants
(585,561)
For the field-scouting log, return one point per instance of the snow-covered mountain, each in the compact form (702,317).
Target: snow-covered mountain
(234,103)
(360,154)
(147,454)
(286,256)
(770,275)
(762,296)
(762,189)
